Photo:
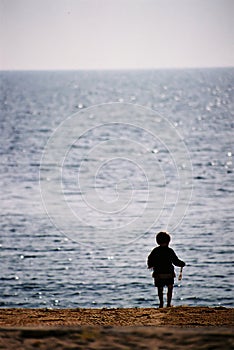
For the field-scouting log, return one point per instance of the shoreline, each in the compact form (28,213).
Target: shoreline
(181,327)
(182,316)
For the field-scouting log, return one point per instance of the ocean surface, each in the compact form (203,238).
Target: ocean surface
(93,164)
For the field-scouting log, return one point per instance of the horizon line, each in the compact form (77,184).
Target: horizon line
(111,69)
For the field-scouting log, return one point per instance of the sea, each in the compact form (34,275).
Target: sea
(94,164)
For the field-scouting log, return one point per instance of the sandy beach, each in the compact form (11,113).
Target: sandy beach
(130,328)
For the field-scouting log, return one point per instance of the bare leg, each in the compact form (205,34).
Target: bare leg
(160,295)
(169,294)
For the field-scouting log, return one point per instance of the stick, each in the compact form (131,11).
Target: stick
(180,275)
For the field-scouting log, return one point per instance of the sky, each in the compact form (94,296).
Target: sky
(115,34)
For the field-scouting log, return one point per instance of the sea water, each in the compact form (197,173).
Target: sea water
(131,153)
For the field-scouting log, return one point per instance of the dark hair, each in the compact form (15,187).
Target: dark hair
(163,237)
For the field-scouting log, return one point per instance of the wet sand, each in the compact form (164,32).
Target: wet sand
(134,328)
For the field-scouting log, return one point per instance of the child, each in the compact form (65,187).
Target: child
(162,259)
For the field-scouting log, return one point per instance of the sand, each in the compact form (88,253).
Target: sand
(131,328)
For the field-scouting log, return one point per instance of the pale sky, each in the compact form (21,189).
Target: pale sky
(116,34)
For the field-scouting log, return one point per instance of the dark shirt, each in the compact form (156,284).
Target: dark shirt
(162,259)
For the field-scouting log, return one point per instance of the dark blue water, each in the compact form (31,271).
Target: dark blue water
(85,187)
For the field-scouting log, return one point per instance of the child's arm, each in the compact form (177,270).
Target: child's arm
(150,261)
(176,261)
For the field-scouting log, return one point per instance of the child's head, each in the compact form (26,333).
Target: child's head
(163,238)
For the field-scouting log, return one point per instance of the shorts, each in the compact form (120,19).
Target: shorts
(161,280)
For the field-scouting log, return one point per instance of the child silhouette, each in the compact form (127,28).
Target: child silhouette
(161,260)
